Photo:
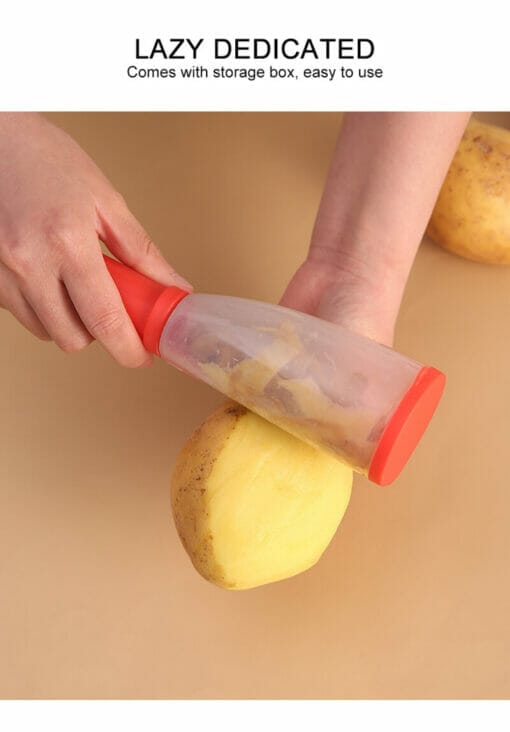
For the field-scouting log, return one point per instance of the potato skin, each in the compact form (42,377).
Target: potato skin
(191,472)
(471,217)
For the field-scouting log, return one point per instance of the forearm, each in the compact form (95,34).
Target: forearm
(382,185)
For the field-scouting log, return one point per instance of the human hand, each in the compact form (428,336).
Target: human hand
(383,181)
(345,292)
(55,206)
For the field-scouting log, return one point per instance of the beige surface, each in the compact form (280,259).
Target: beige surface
(97,596)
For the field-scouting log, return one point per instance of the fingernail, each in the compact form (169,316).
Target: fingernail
(179,281)
(147,364)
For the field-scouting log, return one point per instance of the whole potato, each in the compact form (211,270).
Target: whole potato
(471,217)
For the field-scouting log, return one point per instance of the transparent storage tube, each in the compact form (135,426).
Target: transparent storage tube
(321,382)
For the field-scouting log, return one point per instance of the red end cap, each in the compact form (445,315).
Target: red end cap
(148,303)
(406,426)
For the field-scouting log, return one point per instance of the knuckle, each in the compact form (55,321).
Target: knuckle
(147,245)
(61,237)
(24,257)
(18,257)
(145,249)
(107,323)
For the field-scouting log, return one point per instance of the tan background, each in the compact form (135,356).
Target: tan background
(97,596)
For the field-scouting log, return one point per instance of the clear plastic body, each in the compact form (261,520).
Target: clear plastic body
(314,379)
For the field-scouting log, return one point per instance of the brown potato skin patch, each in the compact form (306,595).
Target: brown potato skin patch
(188,494)
(471,217)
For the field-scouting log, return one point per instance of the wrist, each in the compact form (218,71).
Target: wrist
(360,279)
(368,256)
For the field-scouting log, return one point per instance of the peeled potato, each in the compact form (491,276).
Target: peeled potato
(253,504)
(472,214)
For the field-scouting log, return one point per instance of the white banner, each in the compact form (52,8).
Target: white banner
(251,716)
(203,55)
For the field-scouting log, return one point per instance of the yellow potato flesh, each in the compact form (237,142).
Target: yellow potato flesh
(267,505)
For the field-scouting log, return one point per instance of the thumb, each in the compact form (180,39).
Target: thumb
(336,296)
(126,238)
(356,310)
